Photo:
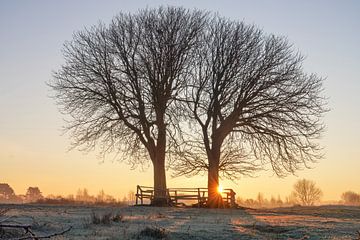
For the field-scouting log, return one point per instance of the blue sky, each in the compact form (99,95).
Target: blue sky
(31,144)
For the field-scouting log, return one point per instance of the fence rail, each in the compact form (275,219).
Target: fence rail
(179,196)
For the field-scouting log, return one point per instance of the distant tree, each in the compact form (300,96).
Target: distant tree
(250,104)
(292,199)
(51,196)
(70,197)
(273,201)
(6,192)
(260,199)
(306,192)
(33,194)
(250,202)
(109,199)
(101,196)
(119,85)
(83,196)
(279,202)
(131,197)
(351,197)
(239,201)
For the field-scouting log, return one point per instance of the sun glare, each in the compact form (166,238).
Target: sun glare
(220,189)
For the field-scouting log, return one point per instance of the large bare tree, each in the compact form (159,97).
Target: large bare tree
(249,104)
(306,192)
(119,83)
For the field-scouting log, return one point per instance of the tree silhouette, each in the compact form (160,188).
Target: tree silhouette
(306,192)
(129,86)
(250,104)
(33,194)
(6,192)
(350,197)
(119,84)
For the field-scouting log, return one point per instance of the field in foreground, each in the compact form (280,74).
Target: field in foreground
(324,222)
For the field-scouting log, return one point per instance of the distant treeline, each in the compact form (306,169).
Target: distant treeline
(347,198)
(7,194)
(34,195)
(305,192)
(83,197)
(350,198)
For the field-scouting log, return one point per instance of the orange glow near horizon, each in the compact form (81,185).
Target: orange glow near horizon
(220,188)
(34,151)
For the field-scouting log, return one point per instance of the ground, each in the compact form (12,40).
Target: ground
(324,222)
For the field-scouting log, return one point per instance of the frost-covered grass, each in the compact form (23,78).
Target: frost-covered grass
(324,222)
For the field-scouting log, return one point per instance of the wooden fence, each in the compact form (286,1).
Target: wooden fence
(181,196)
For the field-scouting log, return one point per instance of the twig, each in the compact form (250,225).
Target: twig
(5,219)
(15,226)
(44,237)
(25,227)
(3,211)
(33,236)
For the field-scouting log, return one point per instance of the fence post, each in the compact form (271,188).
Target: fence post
(141,194)
(168,197)
(176,200)
(199,199)
(228,198)
(232,199)
(137,194)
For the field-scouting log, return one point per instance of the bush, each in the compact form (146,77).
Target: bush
(101,219)
(350,197)
(106,219)
(157,233)
(118,218)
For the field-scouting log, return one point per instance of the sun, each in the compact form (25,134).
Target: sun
(220,188)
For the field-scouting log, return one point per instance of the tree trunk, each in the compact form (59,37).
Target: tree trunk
(214,197)
(160,191)
(160,196)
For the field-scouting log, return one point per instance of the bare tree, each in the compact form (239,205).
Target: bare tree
(306,192)
(249,104)
(351,197)
(101,196)
(33,194)
(119,83)
(131,197)
(6,192)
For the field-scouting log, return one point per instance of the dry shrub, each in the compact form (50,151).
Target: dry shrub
(153,232)
(157,216)
(118,217)
(106,219)
(101,219)
(3,211)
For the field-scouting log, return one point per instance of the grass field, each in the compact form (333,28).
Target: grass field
(90,222)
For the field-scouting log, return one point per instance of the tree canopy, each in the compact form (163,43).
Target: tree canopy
(249,104)
(119,83)
(306,192)
(132,86)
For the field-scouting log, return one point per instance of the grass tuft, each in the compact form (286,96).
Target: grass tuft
(106,219)
(157,233)
(118,218)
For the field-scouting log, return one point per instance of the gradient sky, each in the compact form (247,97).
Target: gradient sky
(33,151)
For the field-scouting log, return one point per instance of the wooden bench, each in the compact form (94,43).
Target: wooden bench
(177,196)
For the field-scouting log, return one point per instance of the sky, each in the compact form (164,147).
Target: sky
(34,151)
